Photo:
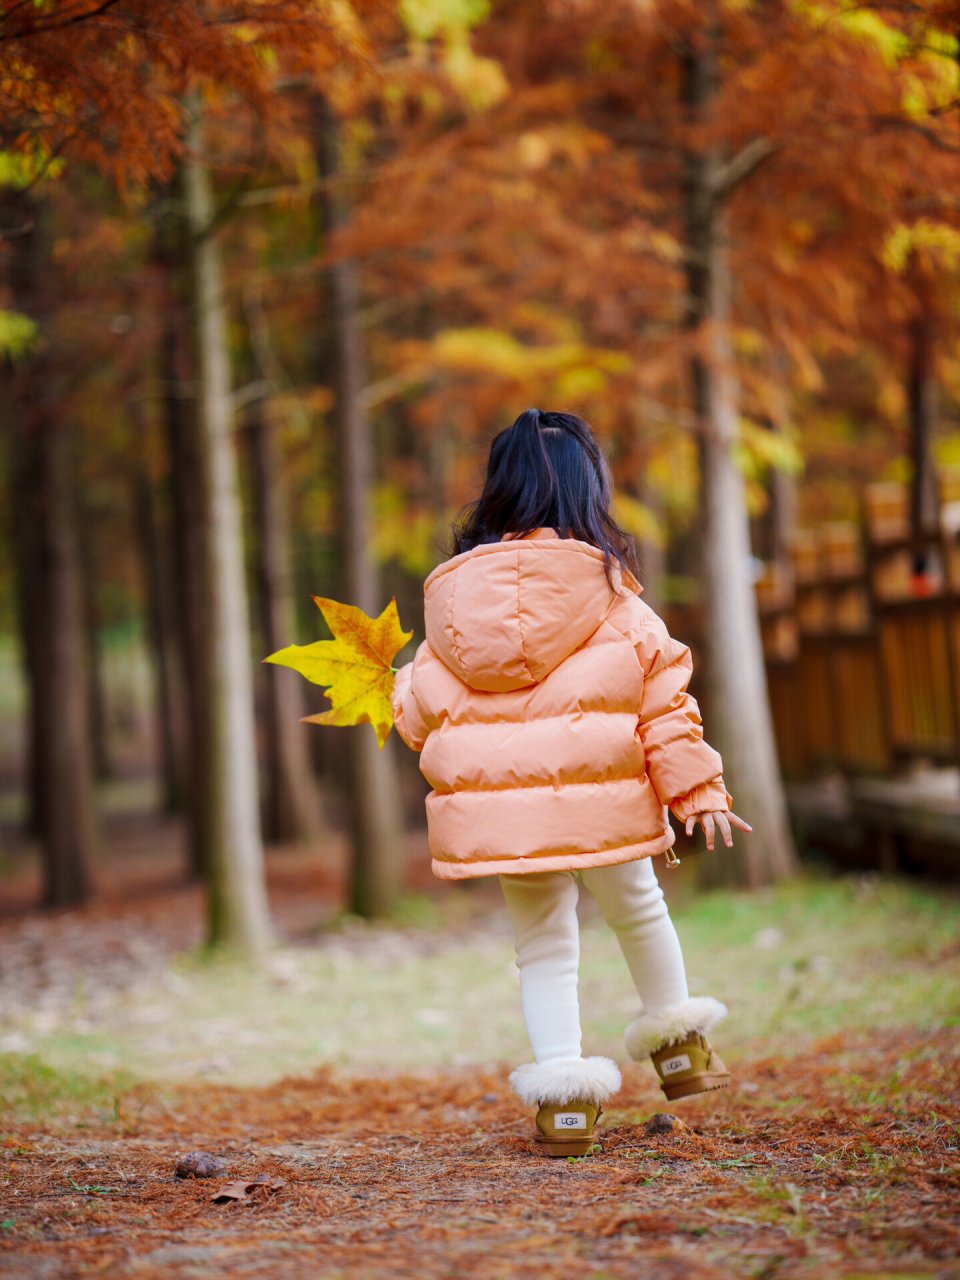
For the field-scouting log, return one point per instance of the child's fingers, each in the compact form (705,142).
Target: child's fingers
(724,825)
(707,820)
(690,824)
(739,822)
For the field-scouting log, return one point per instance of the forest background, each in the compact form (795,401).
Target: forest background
(275,272)
(272,274)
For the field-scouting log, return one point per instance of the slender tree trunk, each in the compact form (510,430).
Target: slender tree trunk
(653,559)
(169,714)
(921,401)
(740,724)
(375,809)
(292,805)
(66,810)
(21,421)
(93,643)
(783,519)
(237,913)
(52,624)
(24,485)
(186,536)
(62,766)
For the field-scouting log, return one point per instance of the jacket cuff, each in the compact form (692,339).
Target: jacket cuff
(401,688)
(708,797)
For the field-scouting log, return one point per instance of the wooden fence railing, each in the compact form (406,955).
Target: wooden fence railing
(862,640)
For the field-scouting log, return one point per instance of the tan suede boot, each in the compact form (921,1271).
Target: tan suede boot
(567,1129)
(690,1066)
(568,1095)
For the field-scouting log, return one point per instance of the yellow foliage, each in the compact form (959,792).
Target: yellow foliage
(354,668)
(637,518)
(23,168)
(480,81)
(579,383)
(672,471)
(17,333)
(761,449)
(426,19)
(936,240)
(493,351)
(946,451)
(748,342)
(405,533)
(897,471)
(864,25)
(892,45)
(891,394)
(935,86)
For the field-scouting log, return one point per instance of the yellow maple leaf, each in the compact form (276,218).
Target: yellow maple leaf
(354,668)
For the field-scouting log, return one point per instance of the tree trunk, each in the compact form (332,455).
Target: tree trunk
(652,552)
(24,272)
(292,803)
(66,801)
(375,810)
(783,519)
(740,723)
(186,526)
(24,486)
(52,624)
(237,913)
(921,401)
(93,642)
(61,772)
(170,710)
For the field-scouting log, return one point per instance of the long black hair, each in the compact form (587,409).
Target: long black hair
(547,472)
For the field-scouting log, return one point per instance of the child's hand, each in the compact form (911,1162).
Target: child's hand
(723,820)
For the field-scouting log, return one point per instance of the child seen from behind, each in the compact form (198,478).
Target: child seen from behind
(550,708)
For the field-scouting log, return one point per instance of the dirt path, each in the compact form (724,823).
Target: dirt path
(842,1162)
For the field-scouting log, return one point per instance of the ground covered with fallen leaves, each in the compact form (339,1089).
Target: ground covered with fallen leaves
(124,1055)
(841,1161)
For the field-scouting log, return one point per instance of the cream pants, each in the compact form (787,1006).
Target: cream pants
(543,910)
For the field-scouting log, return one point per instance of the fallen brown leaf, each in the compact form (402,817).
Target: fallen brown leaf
(243,1192)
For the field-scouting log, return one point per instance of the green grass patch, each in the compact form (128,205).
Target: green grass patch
(32,1090)
(816,955)
(793,963)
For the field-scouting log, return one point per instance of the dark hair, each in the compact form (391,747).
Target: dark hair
(547,472)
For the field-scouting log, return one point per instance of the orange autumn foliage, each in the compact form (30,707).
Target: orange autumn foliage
(103,81)
(547,228)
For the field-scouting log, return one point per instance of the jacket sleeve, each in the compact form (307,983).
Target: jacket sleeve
(686,773)
(408,717)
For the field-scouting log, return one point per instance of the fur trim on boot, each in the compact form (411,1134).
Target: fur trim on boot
(652,1031)
(557,1083)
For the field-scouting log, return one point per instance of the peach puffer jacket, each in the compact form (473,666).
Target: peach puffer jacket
(551,713)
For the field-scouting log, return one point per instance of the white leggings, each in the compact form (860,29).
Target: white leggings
(543,910)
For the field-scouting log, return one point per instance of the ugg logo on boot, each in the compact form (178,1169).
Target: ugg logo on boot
(672,1065)
(570,1120)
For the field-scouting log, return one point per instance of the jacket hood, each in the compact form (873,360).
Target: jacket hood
(503,615)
